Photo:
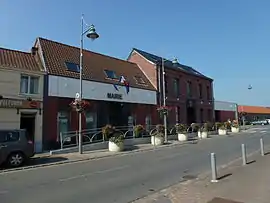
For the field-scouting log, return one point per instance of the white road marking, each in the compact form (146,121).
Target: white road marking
(263,131)
(93,173)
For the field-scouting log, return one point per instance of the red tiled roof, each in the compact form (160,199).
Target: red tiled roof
(18,60)
(254,109)
(56,54)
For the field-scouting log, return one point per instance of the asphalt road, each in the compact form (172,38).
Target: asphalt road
(124,178)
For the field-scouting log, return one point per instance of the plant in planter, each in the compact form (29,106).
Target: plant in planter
(222,129)
(181,131)
(203,131)
(116,142)
(235,127)
(157,138)
(138,130)
(107,132)
(195,127)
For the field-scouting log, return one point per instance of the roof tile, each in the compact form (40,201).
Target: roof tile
(18,60)
(254,109)
(56,54)
(169,64)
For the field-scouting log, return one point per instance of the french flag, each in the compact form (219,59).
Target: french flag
(123,80)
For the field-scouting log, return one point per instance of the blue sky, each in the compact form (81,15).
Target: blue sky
(226,40)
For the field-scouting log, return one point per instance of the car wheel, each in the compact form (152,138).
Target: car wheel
(15,159)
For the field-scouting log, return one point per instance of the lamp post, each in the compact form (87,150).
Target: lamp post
(90,32)
(164,99)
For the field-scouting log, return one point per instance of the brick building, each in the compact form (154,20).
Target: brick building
(188,92)
(100,74)
(21,94)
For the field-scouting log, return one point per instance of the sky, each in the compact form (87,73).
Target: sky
(225,40)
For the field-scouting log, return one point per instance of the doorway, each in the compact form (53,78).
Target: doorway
(191,118)
(27,122)
(116,114)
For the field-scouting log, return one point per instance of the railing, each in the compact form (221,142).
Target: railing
(69,139)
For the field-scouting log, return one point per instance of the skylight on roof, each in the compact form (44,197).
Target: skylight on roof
(72,67)
(110,74)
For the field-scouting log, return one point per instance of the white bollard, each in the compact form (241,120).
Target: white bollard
(262,147)
(214,168)
(244,155)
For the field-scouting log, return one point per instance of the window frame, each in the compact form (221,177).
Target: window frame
(29,79)
(114,73)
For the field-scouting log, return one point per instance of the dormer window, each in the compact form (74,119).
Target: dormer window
(139,80)
(72,67)
(110,74)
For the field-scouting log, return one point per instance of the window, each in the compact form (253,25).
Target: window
(9,136)
(200,91)
(110,74)
(208,92)
(29,84)
(176,87)
(139,80)
(73,67)
(189,88)
(177,114)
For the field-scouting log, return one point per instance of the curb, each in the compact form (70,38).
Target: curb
(5,171)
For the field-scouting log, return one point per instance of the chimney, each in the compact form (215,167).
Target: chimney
(34,50)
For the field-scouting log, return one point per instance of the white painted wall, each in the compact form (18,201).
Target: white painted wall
(67,87)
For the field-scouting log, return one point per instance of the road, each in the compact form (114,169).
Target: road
(122,179)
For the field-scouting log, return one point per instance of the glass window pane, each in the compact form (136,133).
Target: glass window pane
(24,84)
(34,85)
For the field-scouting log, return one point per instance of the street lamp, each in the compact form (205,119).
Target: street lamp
(90,32)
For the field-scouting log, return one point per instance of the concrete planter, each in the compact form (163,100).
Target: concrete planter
(157,141)
(204,135)
(113,147)
(182,137)
(222,132)
(235,130)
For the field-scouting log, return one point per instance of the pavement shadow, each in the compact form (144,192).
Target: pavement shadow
(251,162)
(44,160)
(267,153)
(225,176)
(222,200)
(131,148)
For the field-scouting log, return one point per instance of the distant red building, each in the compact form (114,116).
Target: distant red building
(188,92)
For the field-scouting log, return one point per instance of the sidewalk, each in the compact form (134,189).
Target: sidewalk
(240,184)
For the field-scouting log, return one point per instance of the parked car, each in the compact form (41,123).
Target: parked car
(15,147)
(260,122)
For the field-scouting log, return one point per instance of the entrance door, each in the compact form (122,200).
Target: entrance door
(116,114)
(191,118)
(28,123)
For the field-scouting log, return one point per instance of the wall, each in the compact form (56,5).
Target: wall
(225,106)
(10,88)
(67,87)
